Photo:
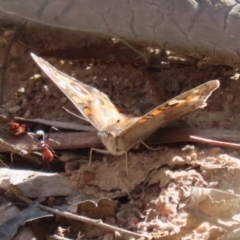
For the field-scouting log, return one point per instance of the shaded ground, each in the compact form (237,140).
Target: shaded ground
(148,199)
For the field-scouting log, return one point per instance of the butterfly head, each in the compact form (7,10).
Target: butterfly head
(108,138)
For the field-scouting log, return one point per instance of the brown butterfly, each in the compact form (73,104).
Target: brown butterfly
(120,132)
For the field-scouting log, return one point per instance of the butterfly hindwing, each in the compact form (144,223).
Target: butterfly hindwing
(165,114)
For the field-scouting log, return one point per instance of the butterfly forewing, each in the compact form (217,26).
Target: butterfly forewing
(165,114)
(93,104)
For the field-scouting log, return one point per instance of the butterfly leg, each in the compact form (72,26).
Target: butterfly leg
(105,152)
(90,155)
(154,149)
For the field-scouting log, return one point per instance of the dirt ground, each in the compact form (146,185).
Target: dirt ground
(149,199)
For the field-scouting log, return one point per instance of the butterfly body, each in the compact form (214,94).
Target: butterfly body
(120,132)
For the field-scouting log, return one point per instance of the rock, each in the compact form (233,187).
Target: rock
(14,109)
(63,100)
(21,90)
(27,114)
(24,103)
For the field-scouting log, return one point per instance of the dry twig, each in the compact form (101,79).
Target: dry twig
(213,142)
(59,124)
(98,223)
(11,148)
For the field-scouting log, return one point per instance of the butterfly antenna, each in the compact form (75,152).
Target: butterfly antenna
(75,115)
(150,148)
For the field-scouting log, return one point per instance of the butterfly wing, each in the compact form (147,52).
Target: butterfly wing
(94,105)
(166,113)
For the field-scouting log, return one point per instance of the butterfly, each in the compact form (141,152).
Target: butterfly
(120,132)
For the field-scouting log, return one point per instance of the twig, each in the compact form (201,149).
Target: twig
(59,124)
(11,148)
(77,140)
(98,223)
(56,237)
(222,137)
(213,142)
(62,140)
(18,151)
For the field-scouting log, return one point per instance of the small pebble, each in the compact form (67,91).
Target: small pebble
(24,103)
(8,104)
(8,33)
(57,94)
(63,100)
(48,93)
(110,220)
(27,114)
(214,74)
(202,228)
(14,109)
(21,90)
(41,95)
(229,98)
(28,91)
(139,204)
(38,85)
(235,77)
